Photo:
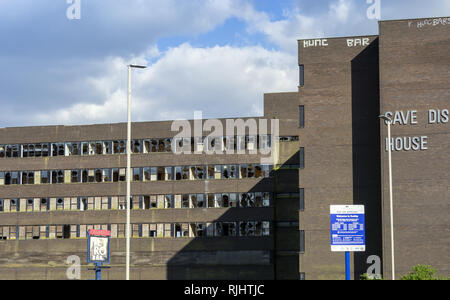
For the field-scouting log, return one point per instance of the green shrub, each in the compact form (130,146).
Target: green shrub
(365,276)
(422,272)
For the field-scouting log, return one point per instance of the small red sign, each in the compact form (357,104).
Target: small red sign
(96,232)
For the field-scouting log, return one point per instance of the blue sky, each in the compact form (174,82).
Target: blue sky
(217,56)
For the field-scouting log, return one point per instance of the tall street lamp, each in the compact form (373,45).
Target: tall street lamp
(127,229)
(388,121)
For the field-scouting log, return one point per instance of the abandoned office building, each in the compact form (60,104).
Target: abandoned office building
(233,216)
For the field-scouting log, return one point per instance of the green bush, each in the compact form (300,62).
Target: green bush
(367,277)
(422,272)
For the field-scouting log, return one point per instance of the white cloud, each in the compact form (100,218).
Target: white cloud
(221,81)
(341,9)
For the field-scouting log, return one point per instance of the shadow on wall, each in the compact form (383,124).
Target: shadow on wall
(366,151)
(242,251)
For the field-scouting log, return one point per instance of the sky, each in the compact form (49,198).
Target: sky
(63,62)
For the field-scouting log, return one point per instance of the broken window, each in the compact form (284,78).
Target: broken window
(2,151)
(44,204)
(146,173)
(122,203)
(107,147)
(198,172)
(119,147)
(211,172)
(246,228)
(91,150)
(25,150)
(98,176)
(90,175)
(136,146)
(226,200)
(146,202)
(185,201)
(57,176)
(59,204)
(266,199)
(197,200)
(198,229)
(251,143)
(233,200)
(146,146)
(45,177)
(218,200)
(28,177)
(30,205)
(178,173)
(83,201)
(247,200)
(1,205)
(115,175)
(264,142)
(75,176)
(137,174)
(106,175)
(66,231)
(258,229)
(161,173)
(178,229)
(168,201)
(230,143)
(12,178)
(250,171)
(213,144)
(84,148)
(168,145)
(98,148)
(152,231)
(225,229)
(58,149)
(265,228)
(229,172)
(169,173)
(199,145)
(185,173)
(240,141)
(12,150)
(154,145)
(73,148)
(122,174)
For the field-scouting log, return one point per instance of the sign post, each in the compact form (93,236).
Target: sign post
(98,250)
(347,231)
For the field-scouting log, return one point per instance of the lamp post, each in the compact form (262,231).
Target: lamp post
(127,229)
(388,121)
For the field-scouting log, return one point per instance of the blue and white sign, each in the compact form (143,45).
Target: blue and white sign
(347,228)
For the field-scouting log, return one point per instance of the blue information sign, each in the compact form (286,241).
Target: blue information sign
(347,228)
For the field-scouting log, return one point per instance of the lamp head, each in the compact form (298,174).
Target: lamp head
(386,118)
